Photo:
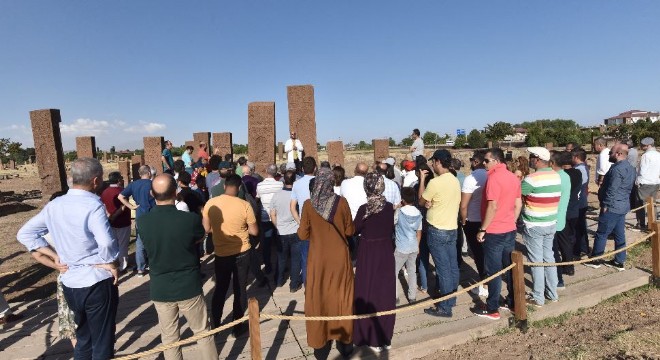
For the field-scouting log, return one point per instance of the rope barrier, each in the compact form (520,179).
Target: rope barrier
(388,312)
(189,340)
(576,262)
(638,208)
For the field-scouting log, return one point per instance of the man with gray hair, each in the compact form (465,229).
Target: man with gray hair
(265,191)
(140,190)
(648,177)
(81,233)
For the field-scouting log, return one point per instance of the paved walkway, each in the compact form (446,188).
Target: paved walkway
(137,325)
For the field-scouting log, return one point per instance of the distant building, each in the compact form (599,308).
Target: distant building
(631,117)
(519,134)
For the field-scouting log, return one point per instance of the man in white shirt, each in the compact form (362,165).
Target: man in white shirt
(417,147)
(265,191)
(648,177)
(470,212)
(353,189)
(603,161)
(294,151)
(392,192)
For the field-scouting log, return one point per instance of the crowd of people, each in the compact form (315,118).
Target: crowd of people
(344,240)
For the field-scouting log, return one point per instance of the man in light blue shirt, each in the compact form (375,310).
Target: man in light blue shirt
(82,235)
(300,194)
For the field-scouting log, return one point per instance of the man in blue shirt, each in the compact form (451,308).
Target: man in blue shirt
(167,159)
(299,194)
(82,235)
(614,198)
(140,190)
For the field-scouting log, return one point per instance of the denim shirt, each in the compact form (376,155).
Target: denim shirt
(405,230)
(614,193)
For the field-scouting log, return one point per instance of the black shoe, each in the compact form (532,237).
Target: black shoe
(435,311)
(615,265)
(595,264)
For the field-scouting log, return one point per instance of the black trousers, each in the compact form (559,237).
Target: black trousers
(471,229)
(581,239)
(232,268)
(563,247)
(94,309)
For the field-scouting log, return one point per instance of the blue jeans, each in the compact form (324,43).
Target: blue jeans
(95,310)
(539,241)
(266,244)
(497,250)
(289,244)
(304,250)
(610,223)
(423,263)
(442,246)
(140,253)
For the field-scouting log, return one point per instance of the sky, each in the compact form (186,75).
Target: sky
(121,70)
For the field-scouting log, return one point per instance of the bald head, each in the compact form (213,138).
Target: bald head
(361,169)
(163,188)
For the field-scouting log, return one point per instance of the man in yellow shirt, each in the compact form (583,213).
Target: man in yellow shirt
(232,221)
(442,198)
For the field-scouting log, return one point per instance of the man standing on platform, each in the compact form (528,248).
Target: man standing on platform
(417,147)
(81,233)
(294,151)
(648,178)
(167,159)
(602,162)
(500,207)
(171,238)
(232,221)
(614,198)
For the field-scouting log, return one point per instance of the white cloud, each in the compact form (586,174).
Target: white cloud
(145,127)
(86,127)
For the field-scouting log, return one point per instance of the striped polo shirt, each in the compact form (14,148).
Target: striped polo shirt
(541,191)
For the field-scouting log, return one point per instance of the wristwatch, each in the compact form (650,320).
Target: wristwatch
(481,231)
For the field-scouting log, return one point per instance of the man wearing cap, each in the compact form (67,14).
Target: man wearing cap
(294,150)
(542,191)
(417,147)
(391,162)
(648,177)
(442,198)
(602,162)
(409,177)
(614,198)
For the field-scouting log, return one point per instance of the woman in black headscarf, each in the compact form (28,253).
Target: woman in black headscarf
(374,289)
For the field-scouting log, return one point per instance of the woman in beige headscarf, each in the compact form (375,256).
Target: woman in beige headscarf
(326,223)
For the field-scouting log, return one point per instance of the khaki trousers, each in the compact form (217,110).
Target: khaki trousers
(194,310)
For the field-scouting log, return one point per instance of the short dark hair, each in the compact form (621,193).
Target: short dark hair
(214,162)
(574,145)
(325,164)
(564,159)
(289,177)
(228,157)
(242,160)
(309,165)
(478,155)
(184,177)
(114,177)
(179,166)
(416,132)
(580,154)
(497,154)
(233,180)
(169,193)
(408,195)
(190,147)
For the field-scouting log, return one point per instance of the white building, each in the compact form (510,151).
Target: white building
(632,116)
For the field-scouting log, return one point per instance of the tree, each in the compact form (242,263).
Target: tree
(112,149)
(498,131)
(476,139)
(363,145)
(392,142)
(557,131)
(430,138)
(240,149)
(407,141)
(460,141)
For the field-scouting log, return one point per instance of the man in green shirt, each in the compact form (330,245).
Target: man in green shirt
(170,238)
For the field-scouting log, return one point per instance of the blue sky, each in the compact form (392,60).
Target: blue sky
(121,70)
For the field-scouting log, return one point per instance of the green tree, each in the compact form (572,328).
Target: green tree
(430,138)
(392,142)
(476,139)
(240,149)
(407,141)
(460,141)
(363,145)
(498,131)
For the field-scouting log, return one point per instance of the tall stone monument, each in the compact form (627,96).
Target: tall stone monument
(12,164)
(261,134)
(223,142)
(280,151)
(153,150)
(191,143)
(86,146)
(302,117)
(125,170)
(204,137)
(48,149)
(335,152)
(136,162)
(381,149)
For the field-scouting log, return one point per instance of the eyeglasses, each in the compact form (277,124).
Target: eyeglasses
(487,161)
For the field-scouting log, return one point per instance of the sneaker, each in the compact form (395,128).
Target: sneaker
(505,307)
(484,313)
(595,264)
(376,349)
(423,291)
(140,273)
(615,265)
(561,286)
(533,303)
(435,311)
